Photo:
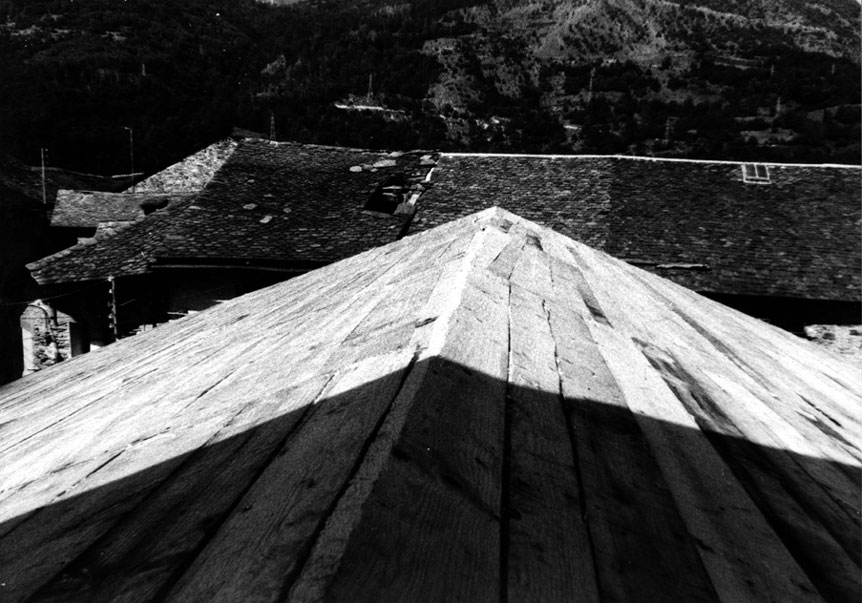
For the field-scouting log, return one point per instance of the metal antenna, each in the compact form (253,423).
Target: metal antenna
(131,154)
(44,188)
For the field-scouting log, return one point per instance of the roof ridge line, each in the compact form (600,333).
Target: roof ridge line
(645,158)
(338,147)
(453,297)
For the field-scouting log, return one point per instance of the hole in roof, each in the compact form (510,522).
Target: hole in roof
(388,195)
(151,205)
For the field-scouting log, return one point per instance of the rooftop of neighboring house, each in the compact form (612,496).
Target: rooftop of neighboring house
(129,251)
(714,226)
(269,204)
(82,207)
(191,174)
(485,411)
(777,230)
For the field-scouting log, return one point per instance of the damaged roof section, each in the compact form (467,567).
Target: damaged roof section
(273,205)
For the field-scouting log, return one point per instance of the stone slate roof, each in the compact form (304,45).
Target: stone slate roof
(290,202)
(694,222)
(130,251)
(270,204)
(486,411)
(85,209)
(191,174)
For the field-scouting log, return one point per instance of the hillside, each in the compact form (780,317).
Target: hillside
(770,79)
(704,79)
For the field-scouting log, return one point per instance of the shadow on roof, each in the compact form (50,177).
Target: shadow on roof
(439,482)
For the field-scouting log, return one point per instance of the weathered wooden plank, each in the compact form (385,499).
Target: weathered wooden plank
(97,443)
(768,419)
(744,557)
(282,512)
(137,559)
(750,410)
(546,544)
(642,548)
(143,444)
(807,528)
(429,529)
(784,383)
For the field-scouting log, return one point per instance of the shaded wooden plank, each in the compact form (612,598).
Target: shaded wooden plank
(769,358)
(771,418)
(98,445)
(138,558)
(280,515)
(744,557)
(60,514)
(763,413)
(814,506)
(642,548)
(547,547)
(429,528)
(792,506)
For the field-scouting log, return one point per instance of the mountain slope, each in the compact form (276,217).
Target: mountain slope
(771,79)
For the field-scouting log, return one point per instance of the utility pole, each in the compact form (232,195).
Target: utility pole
(668,127)
(44,188)
(112,309)
(590,91)
(131,154)
(271,125)
(370,87)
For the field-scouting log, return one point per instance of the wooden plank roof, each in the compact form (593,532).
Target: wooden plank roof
(485,411)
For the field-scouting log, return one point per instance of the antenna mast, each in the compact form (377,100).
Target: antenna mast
(44,188)
(131,154)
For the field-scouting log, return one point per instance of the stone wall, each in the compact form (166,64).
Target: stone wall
(846,340)
(46,337)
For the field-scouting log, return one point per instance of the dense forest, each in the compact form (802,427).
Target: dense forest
(97,81)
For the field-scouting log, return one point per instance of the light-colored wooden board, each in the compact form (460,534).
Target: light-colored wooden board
(546,543)
(641,545)
(430,528)
(282,512)
(745,559)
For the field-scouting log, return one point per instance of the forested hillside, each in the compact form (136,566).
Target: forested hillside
(775,79)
